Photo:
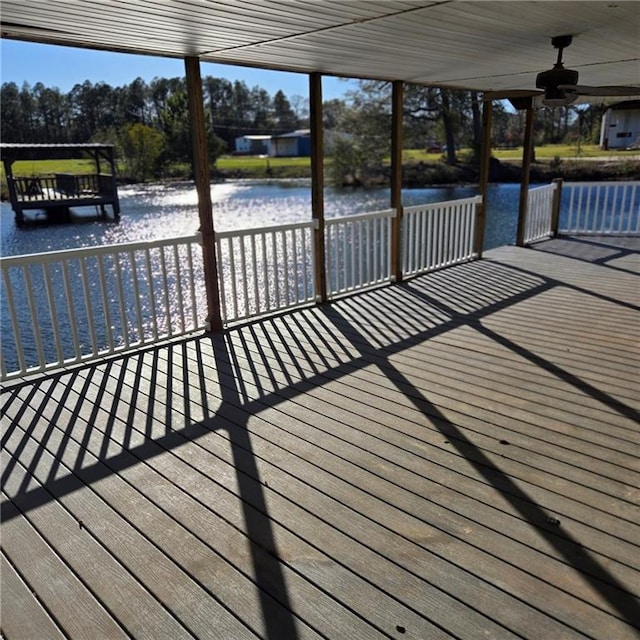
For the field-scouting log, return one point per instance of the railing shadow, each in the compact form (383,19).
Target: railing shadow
(104,402)
(132,421)
(275,603)
(570,548)
(600,250)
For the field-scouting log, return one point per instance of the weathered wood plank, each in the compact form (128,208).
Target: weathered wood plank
(460,383)
(326,614)
(374,406)
(456,456)
(116,581)
(77,611)
(23,616)
(286,465)
(588,517)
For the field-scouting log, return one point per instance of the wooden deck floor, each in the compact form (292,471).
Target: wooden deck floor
(453,457)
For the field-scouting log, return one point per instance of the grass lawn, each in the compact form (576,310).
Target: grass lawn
(550,151)
(229,163)
(544,152)
(30,168)
(263,167)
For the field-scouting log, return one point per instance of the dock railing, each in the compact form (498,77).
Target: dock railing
(358,252)
(438,235)
(600,208)
(264,270)
(582,208)
(66,307)
(61,187)
(540,215)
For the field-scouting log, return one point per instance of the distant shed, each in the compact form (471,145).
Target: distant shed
(296,143)
(253,145)
(56,194)
(621,126)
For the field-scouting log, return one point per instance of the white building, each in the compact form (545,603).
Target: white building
(621,126)
(254,145)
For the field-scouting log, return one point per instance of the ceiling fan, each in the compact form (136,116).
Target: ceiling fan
(560,85)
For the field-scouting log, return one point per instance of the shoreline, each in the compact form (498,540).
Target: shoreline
(432,174)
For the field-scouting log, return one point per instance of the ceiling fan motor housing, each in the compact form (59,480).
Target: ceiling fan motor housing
(555,77)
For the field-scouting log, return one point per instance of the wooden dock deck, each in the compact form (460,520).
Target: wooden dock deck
(453,457)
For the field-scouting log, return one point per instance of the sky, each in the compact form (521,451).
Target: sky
(64,67)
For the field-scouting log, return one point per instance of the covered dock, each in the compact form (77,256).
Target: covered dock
(455,455)
(452,457)
(55,195)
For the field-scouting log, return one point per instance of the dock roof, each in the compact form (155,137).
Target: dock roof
(21,151)
(483,46)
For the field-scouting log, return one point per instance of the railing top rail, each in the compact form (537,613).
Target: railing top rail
(551,186)
(311,224)
(602,183)
(371,215)
(445,203)
(55,256)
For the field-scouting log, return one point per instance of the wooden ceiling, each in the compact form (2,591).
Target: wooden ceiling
(481,45)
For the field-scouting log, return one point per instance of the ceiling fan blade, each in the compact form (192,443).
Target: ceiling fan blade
(612,90)
(510,93)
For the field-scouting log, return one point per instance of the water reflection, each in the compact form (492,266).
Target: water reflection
(151,212)
(156,211)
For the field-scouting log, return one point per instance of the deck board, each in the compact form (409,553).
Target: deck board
(22,614)
(453,457)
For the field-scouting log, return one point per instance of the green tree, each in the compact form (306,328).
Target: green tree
(364,134)
(28,114)
(448,120)
(135,101)
(141,147)
(174,122)
(52,114)
(300,106)
(347,164)
(219,95)
(11,129)
(284,115)
(176,128)
(333,113)
(262,108)
(242,108)
(92,108)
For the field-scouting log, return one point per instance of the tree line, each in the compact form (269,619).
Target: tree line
(151,116)
(149,122)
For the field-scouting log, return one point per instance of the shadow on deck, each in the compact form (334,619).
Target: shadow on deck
(455,456)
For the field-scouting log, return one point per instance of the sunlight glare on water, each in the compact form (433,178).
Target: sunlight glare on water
(156,211)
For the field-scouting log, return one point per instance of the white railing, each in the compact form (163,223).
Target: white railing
(600,208)
(438,235)
(539,219)
(358,251)
(66,307)
(265,270)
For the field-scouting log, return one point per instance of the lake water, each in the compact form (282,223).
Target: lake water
(156,211)
(151,212)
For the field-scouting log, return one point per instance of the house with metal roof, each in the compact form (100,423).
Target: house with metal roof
(253,145)
(293,144)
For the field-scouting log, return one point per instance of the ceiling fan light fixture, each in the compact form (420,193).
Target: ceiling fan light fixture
(555,97)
